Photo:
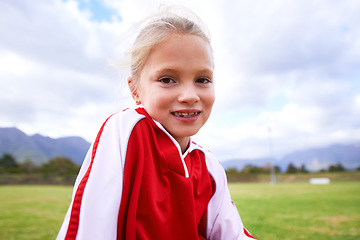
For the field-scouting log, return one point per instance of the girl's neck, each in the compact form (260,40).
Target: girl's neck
(184,144)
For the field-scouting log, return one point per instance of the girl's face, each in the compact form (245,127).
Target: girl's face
(176,85)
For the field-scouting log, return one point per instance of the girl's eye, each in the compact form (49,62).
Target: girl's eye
(166,80)
(203,80)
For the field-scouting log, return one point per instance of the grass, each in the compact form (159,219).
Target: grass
(32,212)
(294,211)
(270,212)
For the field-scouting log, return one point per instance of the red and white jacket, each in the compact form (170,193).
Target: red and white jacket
(136,184)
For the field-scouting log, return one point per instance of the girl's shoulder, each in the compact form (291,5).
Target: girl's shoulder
(119,125)
(125,119)
(127,114)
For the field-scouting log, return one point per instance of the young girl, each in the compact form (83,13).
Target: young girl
(143,177)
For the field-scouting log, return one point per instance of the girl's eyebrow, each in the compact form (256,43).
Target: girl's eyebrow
(163,71)
(166,70)
(206,71)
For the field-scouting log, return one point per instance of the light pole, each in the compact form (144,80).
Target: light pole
(272,160)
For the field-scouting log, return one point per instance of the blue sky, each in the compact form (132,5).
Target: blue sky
(292,66)
(99,11)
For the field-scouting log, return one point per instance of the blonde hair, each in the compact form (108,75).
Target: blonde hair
(157,28)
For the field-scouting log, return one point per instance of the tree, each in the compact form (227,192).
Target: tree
(249,169)
(231,171)
(291,168)
(336,168)
(8,163)
(267,169)
(303,169)
(28,166)
(277,169)
(60,166)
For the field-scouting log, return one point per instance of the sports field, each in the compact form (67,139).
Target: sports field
(292,211)
(270,212)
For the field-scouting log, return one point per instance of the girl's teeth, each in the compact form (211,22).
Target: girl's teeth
(185,114)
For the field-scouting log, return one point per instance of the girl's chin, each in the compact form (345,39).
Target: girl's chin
(183,136)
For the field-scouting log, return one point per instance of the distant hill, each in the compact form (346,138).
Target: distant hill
(314,159)
(39,148)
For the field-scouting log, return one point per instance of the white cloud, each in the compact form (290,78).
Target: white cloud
(306,55)
(54,61)
(291,66)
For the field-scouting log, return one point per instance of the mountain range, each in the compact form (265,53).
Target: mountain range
(314,159)
(40,149)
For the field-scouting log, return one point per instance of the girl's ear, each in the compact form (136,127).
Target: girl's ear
(133,90)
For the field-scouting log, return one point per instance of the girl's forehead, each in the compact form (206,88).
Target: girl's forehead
(182,44)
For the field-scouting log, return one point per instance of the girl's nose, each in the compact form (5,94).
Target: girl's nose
(188,94)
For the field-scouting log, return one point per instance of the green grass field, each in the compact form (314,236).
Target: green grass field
(270,212)
(32,212)
(292,211)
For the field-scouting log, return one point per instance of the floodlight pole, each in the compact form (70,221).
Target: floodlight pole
(272,160)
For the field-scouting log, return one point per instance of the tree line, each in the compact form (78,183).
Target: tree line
(338,167)
(58,170)
(62,170)
(251,173)
(291,168)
